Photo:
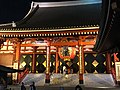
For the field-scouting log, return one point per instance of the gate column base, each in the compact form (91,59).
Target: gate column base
(81,82)
(81,79)
(47,80)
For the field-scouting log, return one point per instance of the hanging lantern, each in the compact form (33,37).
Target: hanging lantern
(66,52)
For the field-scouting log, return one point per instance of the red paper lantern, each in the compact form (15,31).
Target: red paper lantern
(66,52)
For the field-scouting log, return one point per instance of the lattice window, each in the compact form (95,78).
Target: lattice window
(95,63)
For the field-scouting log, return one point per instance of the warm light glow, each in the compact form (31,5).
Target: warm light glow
(15,66)
(68,53)
(80,59)
(51,30)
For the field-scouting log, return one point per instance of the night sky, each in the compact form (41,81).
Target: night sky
(15,10)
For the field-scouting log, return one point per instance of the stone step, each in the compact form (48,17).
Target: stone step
(71,80)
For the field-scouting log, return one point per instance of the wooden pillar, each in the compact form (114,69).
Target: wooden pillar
(108,62)
(81,64)
(56,61)
(34,60)
(17,58)
(18,48)
(47,80)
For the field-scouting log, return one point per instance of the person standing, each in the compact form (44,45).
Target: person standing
(78,87)
(23,86)
(32,86)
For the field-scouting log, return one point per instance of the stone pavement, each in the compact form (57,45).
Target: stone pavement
(90,80)
(17,87)
(68,82)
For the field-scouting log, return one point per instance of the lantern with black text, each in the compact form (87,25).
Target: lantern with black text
(66,52)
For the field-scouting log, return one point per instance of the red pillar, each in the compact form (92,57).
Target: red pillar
(56,61)
(34,60)
(17,58)
(81,64)
(47,80)
(108,62)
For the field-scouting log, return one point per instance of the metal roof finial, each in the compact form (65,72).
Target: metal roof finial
(13,24)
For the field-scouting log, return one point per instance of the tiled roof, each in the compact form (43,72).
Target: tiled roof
(57,16)
(109,35)
(62,17)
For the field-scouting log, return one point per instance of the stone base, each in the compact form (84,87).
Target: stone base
(80,81)
(47,80)
(118,83)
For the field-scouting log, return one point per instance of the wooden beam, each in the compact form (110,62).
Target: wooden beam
(60,44)
(64,44)
(34,45)
(52,44)
(88,43)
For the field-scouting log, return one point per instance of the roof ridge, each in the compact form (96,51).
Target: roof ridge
(64,3)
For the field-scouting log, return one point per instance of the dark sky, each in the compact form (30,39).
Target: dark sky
(15,10)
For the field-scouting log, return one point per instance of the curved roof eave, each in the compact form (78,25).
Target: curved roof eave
(109,38)
(61,14)
(104,22)
(15,30)
(28,16)
(21,26)
(9,70)
(65,3)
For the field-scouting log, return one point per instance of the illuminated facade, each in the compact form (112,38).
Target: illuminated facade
(53,36)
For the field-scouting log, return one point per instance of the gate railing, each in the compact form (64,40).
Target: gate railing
(22,75)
